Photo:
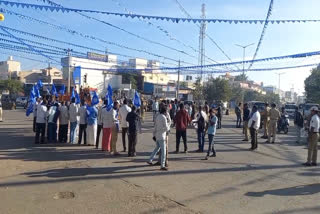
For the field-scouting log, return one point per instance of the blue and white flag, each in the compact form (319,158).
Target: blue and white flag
(109,98)
(36,91)
(31,102)
(39,84)
(95,99)
(137,100)
(77,98)
(53,90)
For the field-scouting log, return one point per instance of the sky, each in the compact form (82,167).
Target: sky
(279,39)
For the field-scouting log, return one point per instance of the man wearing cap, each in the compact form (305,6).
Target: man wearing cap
(274,117)
(313,137)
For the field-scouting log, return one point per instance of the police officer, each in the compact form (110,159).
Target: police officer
(274,115)
(266,119)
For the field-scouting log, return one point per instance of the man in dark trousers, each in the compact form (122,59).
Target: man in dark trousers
(134,126)
(182,119)
(238,113)
(298,122)
(254,124)
(219,115)
(246,117)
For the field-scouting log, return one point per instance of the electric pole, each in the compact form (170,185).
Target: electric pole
(279,81)
(178,84)
(244,54)
(69,70)
(201,40)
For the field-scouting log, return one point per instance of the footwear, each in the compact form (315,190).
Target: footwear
(267,141)
(150,163)
(157,164)
(164,168)
(176,152)
(245,140)
(297,142)
(116,153)
(272,142)
(306,164)
(198,150)
(185,152)
(207,157)
(213,155)
(314,164)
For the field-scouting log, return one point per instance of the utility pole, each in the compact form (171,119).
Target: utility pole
(202,35)
(279,81)
(69,70)
(178,84)
(244,54)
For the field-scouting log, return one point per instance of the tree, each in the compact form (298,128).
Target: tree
(217,89)
(128,78)
(198,91)
(237,94)
(241,77)
(312,86)
(272,98)
(13,86)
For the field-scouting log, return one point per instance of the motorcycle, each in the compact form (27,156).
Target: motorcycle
(283,124)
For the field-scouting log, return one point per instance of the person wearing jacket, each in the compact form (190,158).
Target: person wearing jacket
(53,115)
(42,115)
(73,114)
(182,119)
(63,123)
(202,119)
(134,126)
(161,128)
(298,122)
(83,123)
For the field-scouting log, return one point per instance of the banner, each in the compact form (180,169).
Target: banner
(77,75)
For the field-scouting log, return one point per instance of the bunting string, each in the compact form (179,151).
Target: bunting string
(148,17)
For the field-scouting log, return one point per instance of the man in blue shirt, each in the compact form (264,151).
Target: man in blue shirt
(212,127)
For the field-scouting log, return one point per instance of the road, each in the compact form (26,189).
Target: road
(79,179)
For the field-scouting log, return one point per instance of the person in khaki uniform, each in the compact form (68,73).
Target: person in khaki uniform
(274,115)
(313,138)
(266,120)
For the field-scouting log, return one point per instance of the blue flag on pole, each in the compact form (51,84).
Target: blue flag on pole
(95,99)
(137,100)
(72,94)
(36,91)
(109,98)
(53,90)
(39,84)
(31,102)
(62,90)
(77,98)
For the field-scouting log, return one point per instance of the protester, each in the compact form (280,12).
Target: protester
(155,108)
(219,115)
(123,112)
(83,123)
(92,120)
(169,121)
(35,105)
(182,120)
(42,115)
(238,114)
(115,130)
(265,116)
(134,126)
(108,119)
(53,115)
(254,124)
(100,126)
(212,127)
(63,123)
(201,125)
(274,117)
(313,137)
(73,113)
(246,117)
(298,122)
(159,135)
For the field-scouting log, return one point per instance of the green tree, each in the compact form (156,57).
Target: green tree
(128,78)
(312,86)
(198,91)
(13,86)
(236,94)
(272,98)
(241,77)
(217,89)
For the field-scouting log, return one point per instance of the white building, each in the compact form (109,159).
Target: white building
(8,68)
(97,71)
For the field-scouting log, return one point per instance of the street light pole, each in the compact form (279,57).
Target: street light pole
(244,54)
(279,81)
(69,70)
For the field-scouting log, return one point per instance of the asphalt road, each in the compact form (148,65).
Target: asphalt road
(79,179)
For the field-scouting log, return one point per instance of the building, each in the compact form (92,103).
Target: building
(9,68)
(96,72)
(47,75)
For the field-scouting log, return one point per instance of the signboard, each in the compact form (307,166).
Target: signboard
(97,57)
(77,75)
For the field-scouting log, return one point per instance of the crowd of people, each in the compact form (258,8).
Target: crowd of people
(87,121)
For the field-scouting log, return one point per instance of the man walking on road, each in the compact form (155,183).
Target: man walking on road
(201,121)
(313,138)
(123,112)
(238,113)
(274,117)
(298,122)
(266,119)
(182,119)
(246,117)
(254,124)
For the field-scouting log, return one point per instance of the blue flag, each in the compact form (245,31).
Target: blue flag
(62,90)
(77,98)
(53,90)
(36,91)
(72,94)
(109,92)
(31,102)
(137,100)
(109,98)
(39,84)
(95,99)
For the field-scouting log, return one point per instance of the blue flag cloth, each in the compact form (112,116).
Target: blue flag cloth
(53,90)
(31,102)
(62,90)
(77,98)
(137,100)
(95,99)
(109,90)
(72,94)
(36,91)
(39,84)
(109,98)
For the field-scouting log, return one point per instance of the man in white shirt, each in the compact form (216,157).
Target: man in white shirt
(254,124)
(161,127)
(42,115)
(313,137)
(83,123)
(155,109)
(63,123)
(123,112)
(108,120)
(73,113)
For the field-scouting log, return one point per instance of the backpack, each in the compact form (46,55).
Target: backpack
(201,123)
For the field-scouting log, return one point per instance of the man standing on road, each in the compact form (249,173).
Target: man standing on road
(182,119)
(254,124)
(123,112)
(35,105)
(73,113)
(134,126)
(212,127)
(155,109)
(266,120)
(115,130)
(313,137)
(63,123)
(83,123)
(219,115)
(201,122)
(274,117)
(238,113)
(298,122)
(246,117)
(42,115)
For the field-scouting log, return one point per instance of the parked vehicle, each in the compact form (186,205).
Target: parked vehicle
(21,102)
(283,124)
(290,109)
